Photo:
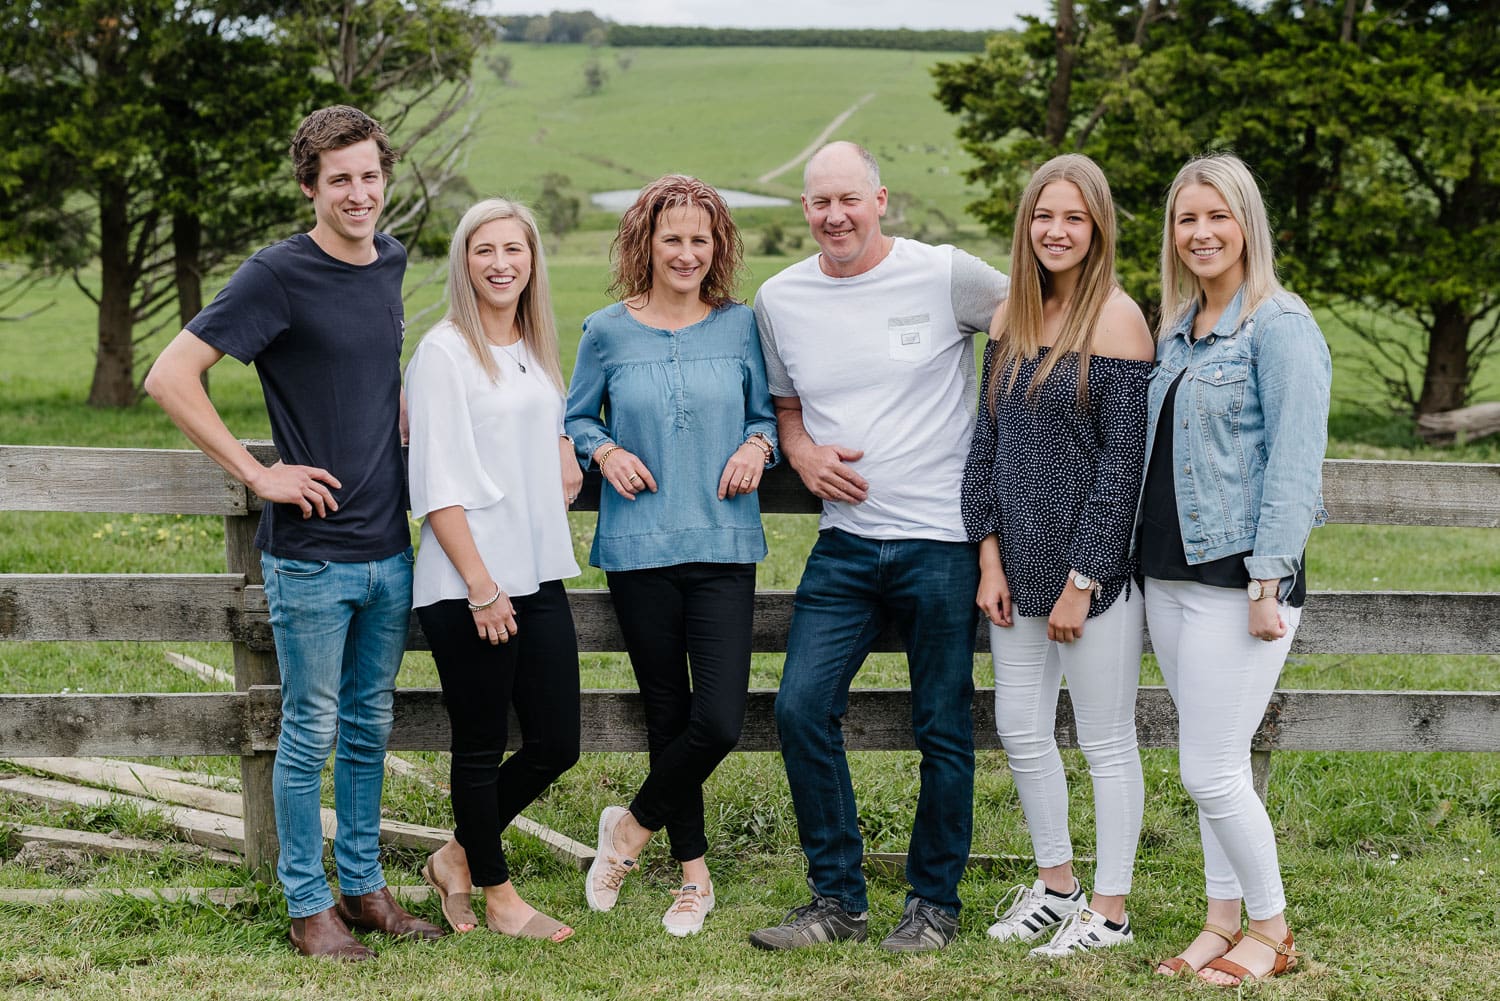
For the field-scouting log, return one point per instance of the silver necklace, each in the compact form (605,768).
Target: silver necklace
(506,348)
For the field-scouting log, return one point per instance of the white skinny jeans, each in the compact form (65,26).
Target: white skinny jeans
(1221,679)
(1103,668)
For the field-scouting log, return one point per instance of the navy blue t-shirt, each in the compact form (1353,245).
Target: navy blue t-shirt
(325,337)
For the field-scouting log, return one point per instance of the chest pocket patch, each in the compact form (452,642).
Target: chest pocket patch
(1221,386)
(910,337)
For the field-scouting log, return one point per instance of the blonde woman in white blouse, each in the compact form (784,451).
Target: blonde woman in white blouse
(493,475)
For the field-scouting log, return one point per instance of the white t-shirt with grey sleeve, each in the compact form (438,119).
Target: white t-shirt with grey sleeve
(884,362)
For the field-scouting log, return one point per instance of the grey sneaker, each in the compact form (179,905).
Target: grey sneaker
(924,927)
(823,920)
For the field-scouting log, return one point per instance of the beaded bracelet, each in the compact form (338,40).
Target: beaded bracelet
(760,441)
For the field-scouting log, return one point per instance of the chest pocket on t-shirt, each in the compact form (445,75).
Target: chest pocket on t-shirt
(910,337)
(398,325)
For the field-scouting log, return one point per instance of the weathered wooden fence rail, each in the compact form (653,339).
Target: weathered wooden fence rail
(230,607)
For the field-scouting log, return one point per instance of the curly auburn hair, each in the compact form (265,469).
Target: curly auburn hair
(630,252)
(336,127)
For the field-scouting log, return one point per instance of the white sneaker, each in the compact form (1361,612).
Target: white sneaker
(1080,933)
(685,917)
(610,866)
(1031,912)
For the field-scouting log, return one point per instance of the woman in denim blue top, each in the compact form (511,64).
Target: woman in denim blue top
(669,400)
(1239,421)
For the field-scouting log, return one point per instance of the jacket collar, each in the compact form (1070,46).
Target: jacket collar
(1227,326)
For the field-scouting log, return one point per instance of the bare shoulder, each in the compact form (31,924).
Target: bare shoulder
(1122,330)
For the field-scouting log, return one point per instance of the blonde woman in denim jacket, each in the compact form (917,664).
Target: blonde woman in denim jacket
(1238,411)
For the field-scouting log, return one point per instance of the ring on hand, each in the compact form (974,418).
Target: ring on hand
(745,482)
(634,478)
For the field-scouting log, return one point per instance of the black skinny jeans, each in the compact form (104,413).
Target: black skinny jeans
(687,629)
(537,673)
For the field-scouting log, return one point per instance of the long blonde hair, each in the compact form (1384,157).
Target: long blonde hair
(533,312)
(1020,335)
(1180,288)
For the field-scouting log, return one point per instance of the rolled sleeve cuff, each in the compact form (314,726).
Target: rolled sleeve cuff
(1270,567)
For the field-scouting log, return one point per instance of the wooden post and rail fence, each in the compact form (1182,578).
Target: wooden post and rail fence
(231,607)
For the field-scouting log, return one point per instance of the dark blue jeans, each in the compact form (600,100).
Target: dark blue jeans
(850,589)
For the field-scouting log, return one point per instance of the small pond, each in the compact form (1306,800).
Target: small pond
(619,201)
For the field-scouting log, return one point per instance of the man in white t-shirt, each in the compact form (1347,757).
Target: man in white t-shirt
(870,359)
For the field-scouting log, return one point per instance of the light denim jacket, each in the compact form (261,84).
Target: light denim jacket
(1251,429)
(682,401)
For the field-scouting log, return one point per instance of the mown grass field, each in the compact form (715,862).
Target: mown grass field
(1392,861)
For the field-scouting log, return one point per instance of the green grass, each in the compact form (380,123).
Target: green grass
(1383,853)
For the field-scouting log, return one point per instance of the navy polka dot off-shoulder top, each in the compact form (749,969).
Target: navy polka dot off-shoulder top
(1057,483)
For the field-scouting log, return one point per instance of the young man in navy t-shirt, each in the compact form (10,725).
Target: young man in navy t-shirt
(320,315)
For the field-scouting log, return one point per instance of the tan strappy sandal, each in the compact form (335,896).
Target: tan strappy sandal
(1286,960)
(1182,968)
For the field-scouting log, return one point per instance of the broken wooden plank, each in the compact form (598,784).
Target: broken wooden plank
(206,672)
(111,844)
(134,779)
(124,779)
(212,830)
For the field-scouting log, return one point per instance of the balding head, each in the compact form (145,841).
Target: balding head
(841,151)
(843,201)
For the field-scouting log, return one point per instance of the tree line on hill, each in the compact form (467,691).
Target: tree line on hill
(1374,126)
(586,28)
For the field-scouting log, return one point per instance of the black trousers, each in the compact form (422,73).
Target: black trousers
(687,629)
(537,673)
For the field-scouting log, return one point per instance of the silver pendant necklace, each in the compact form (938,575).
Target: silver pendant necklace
(506,348)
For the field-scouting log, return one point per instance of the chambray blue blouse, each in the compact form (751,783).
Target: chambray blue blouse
(682,401)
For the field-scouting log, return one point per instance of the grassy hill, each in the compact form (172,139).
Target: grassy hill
(728,116)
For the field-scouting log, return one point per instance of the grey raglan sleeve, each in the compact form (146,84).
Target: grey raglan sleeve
(777,379)
(977,289)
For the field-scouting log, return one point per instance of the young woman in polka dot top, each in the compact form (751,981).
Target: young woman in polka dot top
(1049,494)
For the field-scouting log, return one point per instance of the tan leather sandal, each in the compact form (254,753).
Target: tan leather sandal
(1286,960)
(1182,968)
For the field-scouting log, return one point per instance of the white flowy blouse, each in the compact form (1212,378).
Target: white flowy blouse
(492,449)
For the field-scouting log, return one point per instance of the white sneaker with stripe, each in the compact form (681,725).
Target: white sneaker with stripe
(1083,932)
(1031,912)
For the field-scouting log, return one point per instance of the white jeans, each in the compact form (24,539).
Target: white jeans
(1103,668)
(1221,679)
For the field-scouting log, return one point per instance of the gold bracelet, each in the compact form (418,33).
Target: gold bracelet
(602,459)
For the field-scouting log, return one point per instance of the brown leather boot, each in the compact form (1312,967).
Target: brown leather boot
(378,911)
(323,934)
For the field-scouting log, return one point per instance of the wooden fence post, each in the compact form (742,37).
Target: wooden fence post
(253,667)
(1260,772)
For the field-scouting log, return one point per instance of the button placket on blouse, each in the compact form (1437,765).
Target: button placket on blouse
(679,395)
